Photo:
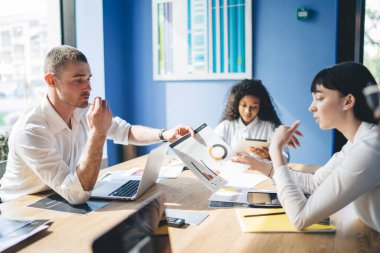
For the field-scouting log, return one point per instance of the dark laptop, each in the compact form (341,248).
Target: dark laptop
(140,232)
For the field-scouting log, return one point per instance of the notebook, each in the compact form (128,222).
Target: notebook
(267,220)
(143,231)
(131,188)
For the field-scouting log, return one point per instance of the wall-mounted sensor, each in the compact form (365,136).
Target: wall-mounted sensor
(303,13)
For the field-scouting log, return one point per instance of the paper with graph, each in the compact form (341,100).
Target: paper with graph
(208,157)
(204,155)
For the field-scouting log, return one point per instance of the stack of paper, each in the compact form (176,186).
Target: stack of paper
(15,231)
(274,220)
(227,197)
(234,174)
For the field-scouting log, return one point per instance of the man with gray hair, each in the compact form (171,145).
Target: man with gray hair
(58,143)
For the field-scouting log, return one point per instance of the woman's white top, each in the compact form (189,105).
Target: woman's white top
(234,131)
(351,175)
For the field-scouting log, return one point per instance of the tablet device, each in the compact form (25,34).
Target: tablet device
(246,144)
(254,146)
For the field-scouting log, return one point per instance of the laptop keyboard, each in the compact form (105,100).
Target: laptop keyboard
(127,190)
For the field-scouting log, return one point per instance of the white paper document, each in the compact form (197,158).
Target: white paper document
(204,155)
(229,197)
(170,171)
(136,173)
(236,175)
(190,216)
(230,194)
(208,157)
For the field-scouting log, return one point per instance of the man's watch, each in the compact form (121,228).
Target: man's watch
(161,136)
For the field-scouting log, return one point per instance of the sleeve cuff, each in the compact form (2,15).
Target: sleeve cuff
(282,175)
(72,190)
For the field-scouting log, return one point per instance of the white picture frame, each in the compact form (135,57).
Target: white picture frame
(202,39)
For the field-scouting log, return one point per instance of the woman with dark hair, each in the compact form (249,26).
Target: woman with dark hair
(351,175)
(249,113)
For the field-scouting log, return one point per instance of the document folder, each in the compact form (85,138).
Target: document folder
(274,220)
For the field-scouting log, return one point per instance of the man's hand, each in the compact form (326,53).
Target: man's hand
(177,132)
(99,117)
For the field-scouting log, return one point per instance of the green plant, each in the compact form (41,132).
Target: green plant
(4,146)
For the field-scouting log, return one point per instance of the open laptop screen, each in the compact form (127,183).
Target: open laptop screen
(139,232)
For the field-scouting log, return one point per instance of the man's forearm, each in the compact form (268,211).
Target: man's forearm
(88,168)
(142,135)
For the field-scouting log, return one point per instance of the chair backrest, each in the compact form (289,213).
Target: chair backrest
(3,164)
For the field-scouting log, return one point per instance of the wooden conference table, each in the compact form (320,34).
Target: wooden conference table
(220,232)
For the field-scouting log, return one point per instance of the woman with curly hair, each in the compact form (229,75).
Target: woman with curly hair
(249,113)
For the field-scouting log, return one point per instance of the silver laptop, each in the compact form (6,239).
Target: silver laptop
(132,188)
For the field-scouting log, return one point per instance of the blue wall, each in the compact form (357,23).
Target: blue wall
(118,84)
(286,55)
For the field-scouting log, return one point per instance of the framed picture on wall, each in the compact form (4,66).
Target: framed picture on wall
(202,39)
